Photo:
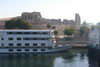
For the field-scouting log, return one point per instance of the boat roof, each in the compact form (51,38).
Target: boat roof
(15,30)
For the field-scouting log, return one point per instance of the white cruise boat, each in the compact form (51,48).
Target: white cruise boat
(29,41)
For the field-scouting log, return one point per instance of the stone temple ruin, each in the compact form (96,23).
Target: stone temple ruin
(38,22)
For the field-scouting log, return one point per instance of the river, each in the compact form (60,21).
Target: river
(71,58)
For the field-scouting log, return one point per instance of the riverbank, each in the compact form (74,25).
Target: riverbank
(79,46)
(75,43)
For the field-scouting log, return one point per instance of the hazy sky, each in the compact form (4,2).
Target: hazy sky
(89,10)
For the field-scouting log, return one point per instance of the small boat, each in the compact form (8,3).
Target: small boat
(60,48)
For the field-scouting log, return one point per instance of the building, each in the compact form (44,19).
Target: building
(38,22)
(94,42)
(77,21)
(35,19)
(94,47)
(94,37)
(58,25)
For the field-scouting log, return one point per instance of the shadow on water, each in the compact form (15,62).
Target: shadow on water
(94,59)
(71,58)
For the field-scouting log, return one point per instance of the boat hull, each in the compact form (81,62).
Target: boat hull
(52,50)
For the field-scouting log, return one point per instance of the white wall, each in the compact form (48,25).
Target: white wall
(94,36)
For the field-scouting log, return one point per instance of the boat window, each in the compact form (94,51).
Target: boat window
(18,49)
(43,39)
(2,44)
(26,32)
(45,32)
(10,38)
(18,44)
(9,32)
(26,38)
(34,32)
(26,49)
(34,38)
(34,44)
(18,32)
(34,49)
(2,38)
(10,44)
(42,49)
(49,48)
(18,38)
(11,50)
(42,44)
(26,44)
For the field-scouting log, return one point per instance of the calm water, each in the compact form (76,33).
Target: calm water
(71,58)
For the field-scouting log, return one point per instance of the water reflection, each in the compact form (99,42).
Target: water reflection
(94,60)
(72,58)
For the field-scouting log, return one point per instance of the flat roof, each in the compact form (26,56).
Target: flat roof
(15,30)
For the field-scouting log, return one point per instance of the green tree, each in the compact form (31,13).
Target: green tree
(55,32)
(83,30)
(53,27)
(68,31)
(48,26)
(84,24)
(17,24)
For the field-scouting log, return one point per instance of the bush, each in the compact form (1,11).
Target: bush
(17,24)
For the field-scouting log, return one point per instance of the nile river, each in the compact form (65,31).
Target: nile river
(71,58)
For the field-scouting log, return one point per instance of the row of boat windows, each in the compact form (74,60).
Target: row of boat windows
(26,44)
(19,50)
(27,38)
(27,32)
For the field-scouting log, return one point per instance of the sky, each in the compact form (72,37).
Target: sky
(89,10)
